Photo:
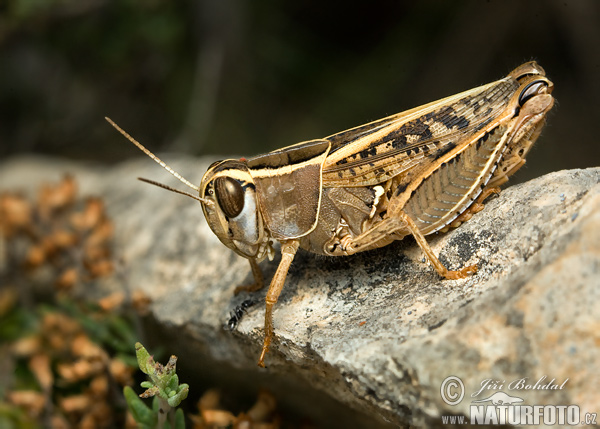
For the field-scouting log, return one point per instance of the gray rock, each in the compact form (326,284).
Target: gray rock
(378,331)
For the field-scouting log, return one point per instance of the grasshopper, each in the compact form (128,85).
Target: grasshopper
(413,173)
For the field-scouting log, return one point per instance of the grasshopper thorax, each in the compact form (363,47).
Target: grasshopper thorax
(231,208)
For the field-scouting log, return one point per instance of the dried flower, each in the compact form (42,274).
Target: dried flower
(60,232)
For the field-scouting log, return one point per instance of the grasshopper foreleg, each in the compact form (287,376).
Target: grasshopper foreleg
(288,251)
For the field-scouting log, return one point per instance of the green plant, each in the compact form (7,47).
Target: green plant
(164,387)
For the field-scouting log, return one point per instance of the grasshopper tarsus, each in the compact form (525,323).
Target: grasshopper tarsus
(268,334)
(487,192)
(261,359)
(461,274)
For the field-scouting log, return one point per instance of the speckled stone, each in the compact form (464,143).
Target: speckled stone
(379,331)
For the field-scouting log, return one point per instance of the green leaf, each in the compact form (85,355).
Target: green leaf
(173,382)
(140,411)
(144,359)
(174,401)
(179,420)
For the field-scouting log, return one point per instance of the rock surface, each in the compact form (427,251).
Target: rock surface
(378,331)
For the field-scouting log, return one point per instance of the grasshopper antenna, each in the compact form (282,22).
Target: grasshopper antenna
(177,191)
(162,164)
(151,155)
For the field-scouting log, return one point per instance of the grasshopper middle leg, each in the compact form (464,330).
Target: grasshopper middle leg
(259,280)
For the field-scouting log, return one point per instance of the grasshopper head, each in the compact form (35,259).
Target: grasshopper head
(228,198)
(532,104)
(231,208)
(534,96)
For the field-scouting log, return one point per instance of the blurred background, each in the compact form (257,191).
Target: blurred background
(237,78)
(234,77)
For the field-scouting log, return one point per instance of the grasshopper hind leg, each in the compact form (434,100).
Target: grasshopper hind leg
(435,262)
(397,227)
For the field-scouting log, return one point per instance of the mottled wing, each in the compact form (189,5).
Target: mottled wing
(375,152)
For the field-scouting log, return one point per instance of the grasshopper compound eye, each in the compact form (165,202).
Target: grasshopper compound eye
(534,88)
(230,196)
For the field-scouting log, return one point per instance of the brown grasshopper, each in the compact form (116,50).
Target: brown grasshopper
(413,173)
